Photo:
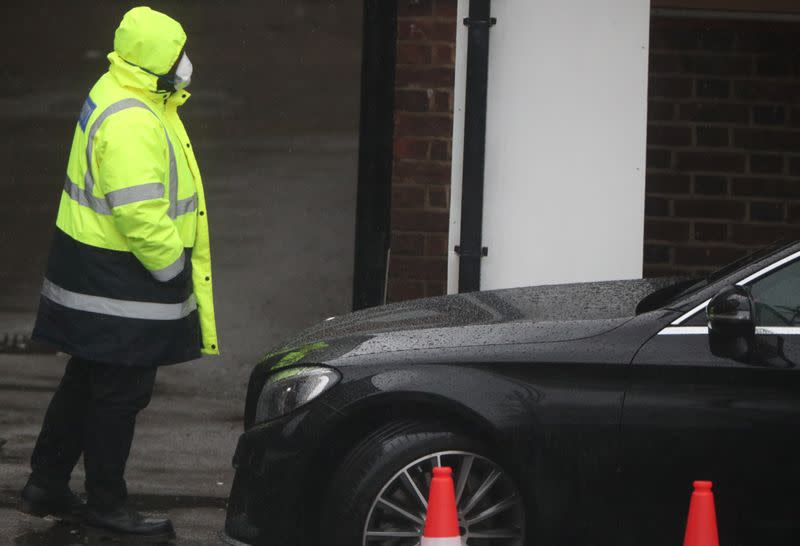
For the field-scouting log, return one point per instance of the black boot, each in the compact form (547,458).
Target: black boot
(41,502)
(128,522)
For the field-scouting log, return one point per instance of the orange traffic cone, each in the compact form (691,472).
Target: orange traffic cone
(701,528)
(441,523)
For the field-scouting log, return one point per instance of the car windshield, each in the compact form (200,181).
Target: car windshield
(684,287)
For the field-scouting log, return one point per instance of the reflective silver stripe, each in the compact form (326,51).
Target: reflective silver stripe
(118,308)
(124,104)
(173,165)
(134,194)
(171,271)
(173,179)
(86,199)
(185,206)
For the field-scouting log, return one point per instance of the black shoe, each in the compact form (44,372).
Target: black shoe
(40,502)
(128,522)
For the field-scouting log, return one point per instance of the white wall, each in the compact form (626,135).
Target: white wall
(566,141)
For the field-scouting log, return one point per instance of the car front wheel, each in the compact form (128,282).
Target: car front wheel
(378,496)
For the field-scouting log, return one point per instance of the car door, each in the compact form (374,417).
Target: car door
(695,411)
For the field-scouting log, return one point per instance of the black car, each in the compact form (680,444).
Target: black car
(572,415)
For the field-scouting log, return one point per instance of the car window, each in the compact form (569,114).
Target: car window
(682,288)
(776,297)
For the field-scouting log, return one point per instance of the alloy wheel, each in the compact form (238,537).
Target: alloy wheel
(490,509)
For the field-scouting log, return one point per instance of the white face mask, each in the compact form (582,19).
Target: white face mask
(183,74)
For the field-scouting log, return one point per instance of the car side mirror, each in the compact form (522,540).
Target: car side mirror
(730,314)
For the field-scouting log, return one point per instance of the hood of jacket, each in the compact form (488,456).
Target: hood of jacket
(146,44)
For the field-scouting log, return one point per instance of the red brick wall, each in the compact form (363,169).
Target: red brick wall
(422,148)
(723,142)
(723,150)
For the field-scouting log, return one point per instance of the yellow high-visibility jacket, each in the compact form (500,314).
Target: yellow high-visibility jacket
(129,278)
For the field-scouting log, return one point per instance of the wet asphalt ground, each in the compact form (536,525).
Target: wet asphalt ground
(179,466)
(274,119)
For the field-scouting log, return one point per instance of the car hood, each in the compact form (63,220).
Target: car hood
(517,315)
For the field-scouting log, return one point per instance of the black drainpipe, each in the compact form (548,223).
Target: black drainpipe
(471,250)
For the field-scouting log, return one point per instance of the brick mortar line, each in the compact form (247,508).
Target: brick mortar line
(700,245)
(413,160)
(720,197)
(422,85)
(426,41)
(730,125)
(734,53)
(433,18)
(425,65)
(720,101)
(723,125)
(715,149)
(719,221)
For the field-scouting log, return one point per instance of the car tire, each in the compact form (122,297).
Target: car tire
(372,464)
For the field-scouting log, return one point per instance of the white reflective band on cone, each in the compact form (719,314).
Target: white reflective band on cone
(441,541)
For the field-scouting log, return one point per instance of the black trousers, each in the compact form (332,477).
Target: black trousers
(93,412)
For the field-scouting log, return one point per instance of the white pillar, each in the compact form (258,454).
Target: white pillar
(565,143)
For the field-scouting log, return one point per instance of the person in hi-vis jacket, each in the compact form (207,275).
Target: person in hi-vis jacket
(128,282)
